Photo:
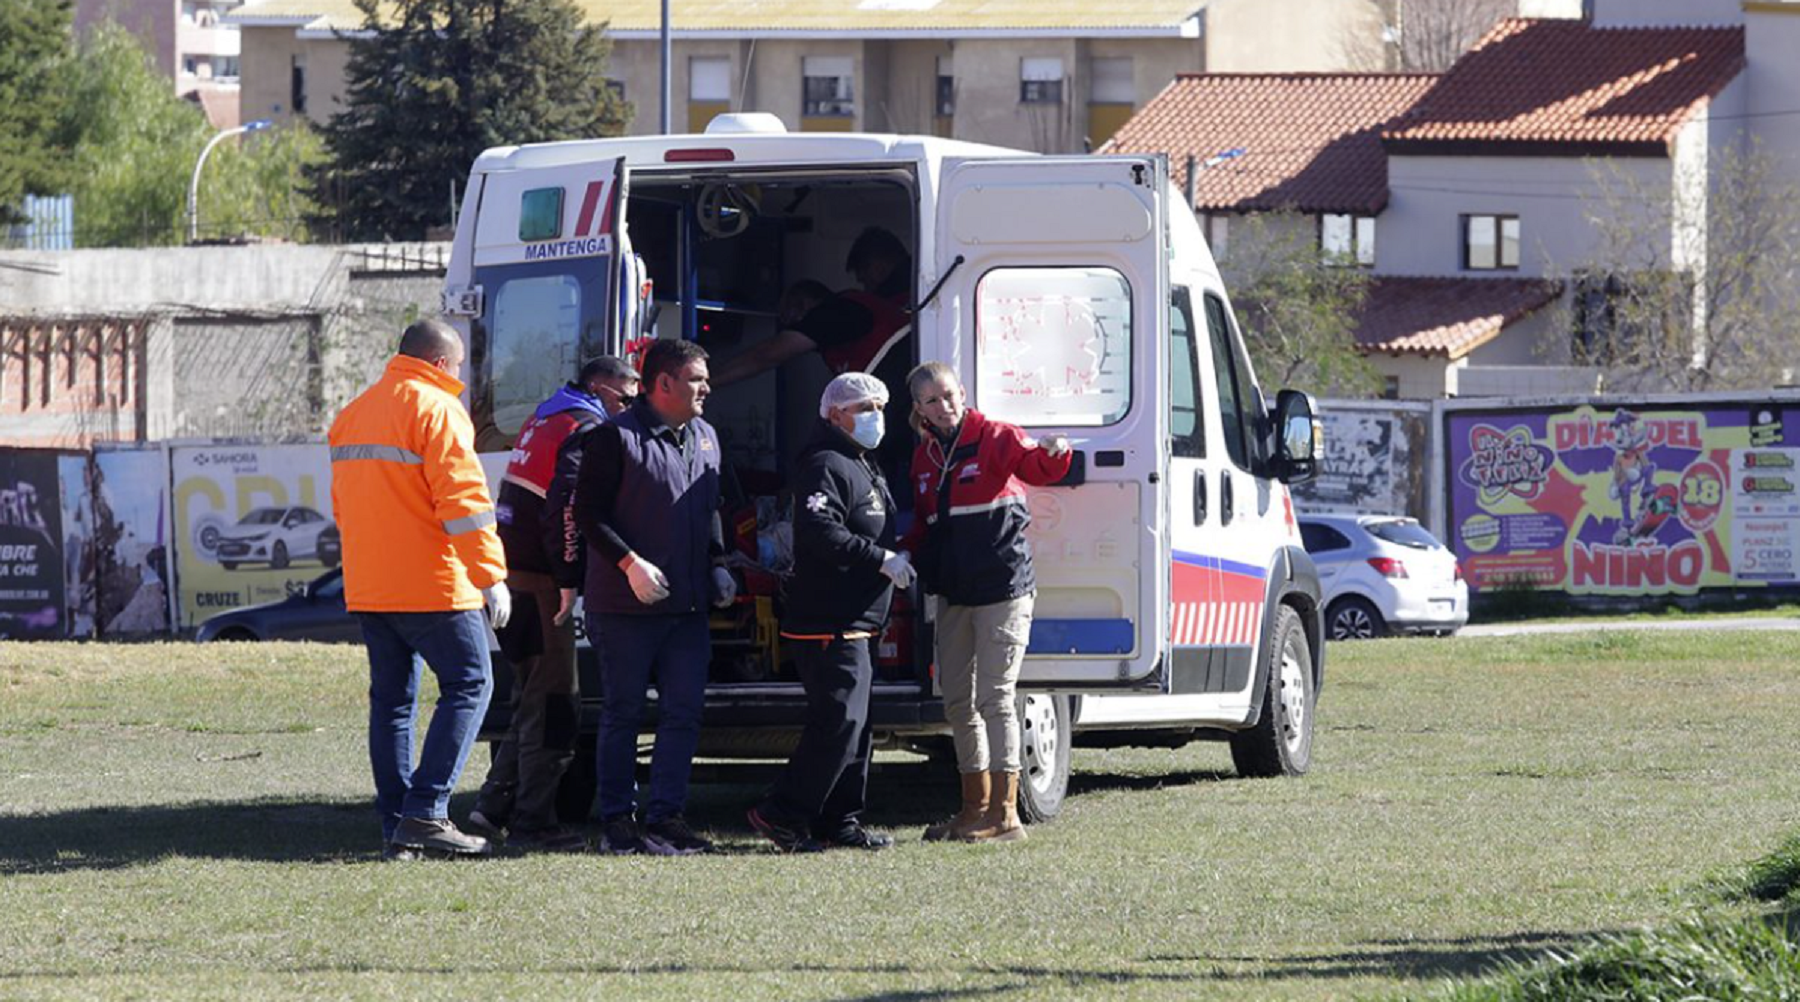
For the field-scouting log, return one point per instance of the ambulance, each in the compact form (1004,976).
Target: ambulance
(1074,294)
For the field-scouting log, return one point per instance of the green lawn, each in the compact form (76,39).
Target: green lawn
(186,822)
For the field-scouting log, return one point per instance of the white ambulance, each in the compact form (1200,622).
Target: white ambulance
(1074,294)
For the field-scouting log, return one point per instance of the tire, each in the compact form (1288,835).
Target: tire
(236,635)
(1044,740)
(1281,742)
(230,565)
(278,557)
(331,558)
(1354,618)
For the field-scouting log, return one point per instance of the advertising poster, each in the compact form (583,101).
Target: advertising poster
(252,524)
(1373,462)
(1624,500)
(130,502)
(32,604)
(78,555)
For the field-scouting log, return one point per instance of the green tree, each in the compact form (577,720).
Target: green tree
(434,83)
(134,147)
(1298,307)
(34,45)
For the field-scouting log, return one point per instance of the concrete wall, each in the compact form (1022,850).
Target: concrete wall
(1772,87)
(1268,36)
(1422,377)
(1421,231)
(1643,13)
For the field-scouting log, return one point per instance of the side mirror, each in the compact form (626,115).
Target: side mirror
(1301,438)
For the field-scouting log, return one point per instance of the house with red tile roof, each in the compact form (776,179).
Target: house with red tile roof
(1480,182)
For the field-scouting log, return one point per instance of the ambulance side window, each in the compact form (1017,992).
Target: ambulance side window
(1188,432)
(1237,394)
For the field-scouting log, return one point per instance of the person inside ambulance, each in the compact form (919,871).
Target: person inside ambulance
(543,555)
(867,329)
(845,570)
(968,543)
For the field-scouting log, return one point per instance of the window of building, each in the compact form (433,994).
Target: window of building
(1041,80)
(188,10)
(1217,226)
(225,67)
(709,90)
(1112,95)
(1390,387)
(1347,238)
(828,87)
(1187,431)
(1053,345)
(946,87)
(190,66)
(1490,242)
(297,86)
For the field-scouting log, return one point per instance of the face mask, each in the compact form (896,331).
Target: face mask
(869,427)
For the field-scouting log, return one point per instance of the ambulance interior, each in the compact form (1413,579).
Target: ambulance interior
(720,249)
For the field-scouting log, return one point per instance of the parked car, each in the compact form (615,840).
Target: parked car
(276,536)
(1384,574)
(315,613)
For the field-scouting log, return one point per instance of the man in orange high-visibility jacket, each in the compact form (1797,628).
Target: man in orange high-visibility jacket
(421,561)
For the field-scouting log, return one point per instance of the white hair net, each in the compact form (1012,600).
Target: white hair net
(852,388)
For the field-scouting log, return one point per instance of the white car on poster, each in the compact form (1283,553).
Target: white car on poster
(275,536)
(1384,574)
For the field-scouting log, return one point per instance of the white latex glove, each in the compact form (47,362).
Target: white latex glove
(1055,445)
(647,580)
(724,587)
(899,569)
(565,606)
(498,600)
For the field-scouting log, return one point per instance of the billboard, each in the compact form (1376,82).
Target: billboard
(131,534)
(80,591)
(32,603)
(1625,500)
(252,524)
(1374,460)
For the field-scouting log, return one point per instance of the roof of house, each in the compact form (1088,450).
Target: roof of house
(1446,317)
(1310,142)
(748,18)
(1560,87)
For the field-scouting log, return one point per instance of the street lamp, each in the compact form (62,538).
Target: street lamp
(193,205)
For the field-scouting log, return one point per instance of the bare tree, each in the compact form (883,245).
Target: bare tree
(1298,306)
(1426,36)
(1695,285)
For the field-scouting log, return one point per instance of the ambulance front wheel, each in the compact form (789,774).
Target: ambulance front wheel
(1281,742)
(1045,727)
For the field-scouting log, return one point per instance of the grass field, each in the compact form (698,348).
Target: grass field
(183,822)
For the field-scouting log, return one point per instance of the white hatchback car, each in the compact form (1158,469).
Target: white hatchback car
(1384,574)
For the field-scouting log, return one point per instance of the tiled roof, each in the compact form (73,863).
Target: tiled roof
(1311,141)
(1448,317)
(851,17)
(1560,86)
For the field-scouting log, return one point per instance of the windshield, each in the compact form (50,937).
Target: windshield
(263,516)
(1404,532)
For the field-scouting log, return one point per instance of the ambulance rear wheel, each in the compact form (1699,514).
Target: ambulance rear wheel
(1044,733)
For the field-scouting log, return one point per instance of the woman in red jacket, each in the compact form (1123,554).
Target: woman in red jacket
(968,543)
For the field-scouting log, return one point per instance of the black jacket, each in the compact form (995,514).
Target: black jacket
(843,529)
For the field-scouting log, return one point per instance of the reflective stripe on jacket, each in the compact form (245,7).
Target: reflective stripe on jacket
(410,498)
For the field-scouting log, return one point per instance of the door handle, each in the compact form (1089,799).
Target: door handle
(1225,497)
(1199,497)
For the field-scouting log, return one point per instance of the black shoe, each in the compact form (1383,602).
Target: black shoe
(438,836)
(556,838)
(620,837)
(854,836)
(391,853)
(490,825)
(787,838)
(672,837)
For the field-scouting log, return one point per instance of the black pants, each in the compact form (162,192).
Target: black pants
(827,778)
(528,766)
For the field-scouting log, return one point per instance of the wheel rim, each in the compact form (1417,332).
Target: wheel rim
(1039,740)
(1293,698)
(1352,623)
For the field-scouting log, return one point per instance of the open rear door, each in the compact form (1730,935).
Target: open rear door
(1058,311)
(550,263)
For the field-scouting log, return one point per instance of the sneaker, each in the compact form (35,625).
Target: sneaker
(438,836)
(672,837)
(488,826)
(556,838)
(620,837)
(787,838)
(854,836)
(391,853)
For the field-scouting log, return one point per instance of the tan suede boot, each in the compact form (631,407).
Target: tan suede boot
(975,791)
(1001,823)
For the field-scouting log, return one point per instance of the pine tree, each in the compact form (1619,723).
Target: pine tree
(436,82)
(34,42)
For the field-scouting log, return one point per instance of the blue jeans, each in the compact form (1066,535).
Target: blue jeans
(454,645)
(675,651)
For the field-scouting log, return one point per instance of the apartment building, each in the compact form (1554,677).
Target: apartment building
(194,43)
(1044,75)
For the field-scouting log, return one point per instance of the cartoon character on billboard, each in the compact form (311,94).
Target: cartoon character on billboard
(1632,472)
